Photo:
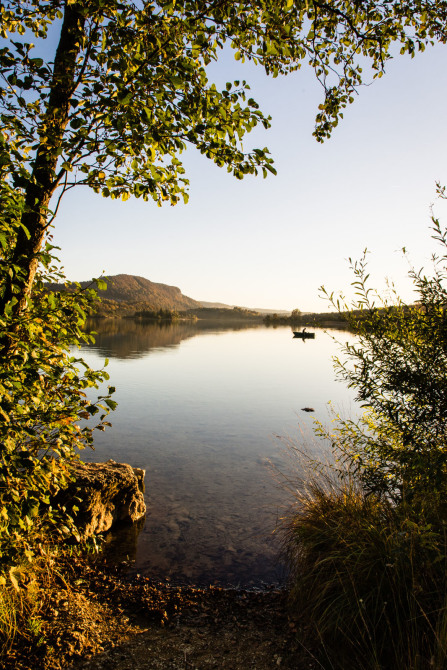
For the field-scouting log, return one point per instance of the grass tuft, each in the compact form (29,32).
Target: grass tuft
(368,579)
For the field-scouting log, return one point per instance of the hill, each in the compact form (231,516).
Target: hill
(126,294)
(128,288)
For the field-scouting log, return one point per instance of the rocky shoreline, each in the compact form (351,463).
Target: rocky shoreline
(101,619)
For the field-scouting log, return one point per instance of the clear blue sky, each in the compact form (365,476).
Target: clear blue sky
(271,243)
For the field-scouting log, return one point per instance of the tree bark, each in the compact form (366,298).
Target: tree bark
(43,181)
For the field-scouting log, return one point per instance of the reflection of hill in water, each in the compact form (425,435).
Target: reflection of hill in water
(126,338)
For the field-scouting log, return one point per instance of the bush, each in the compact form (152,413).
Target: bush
(43,397)
(398,366)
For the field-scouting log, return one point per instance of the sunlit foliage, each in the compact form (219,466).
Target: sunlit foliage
(128,90)
(398,368)
(44,393)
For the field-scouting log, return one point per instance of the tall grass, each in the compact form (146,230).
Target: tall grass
(368,579)
(20,616)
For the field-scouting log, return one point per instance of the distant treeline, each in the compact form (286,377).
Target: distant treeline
(297,318)
(326,319)
(148,313)
(223,314)
(160,315)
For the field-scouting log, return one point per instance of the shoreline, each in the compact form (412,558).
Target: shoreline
(105,619)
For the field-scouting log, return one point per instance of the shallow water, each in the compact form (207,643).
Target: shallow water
(202,409)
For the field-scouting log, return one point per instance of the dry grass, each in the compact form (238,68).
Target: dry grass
(368,580)
(23,599)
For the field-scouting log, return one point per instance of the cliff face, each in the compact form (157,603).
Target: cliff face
(140,291)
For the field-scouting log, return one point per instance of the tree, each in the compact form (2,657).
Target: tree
(128,90)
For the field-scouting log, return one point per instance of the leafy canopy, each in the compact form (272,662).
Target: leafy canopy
(139,93)
(126,92)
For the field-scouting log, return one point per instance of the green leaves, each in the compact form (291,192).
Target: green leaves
(138,92)
(101,284)
(114,108)
(398,368)
(42,400)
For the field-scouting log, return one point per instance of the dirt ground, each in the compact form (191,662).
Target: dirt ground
(108,621)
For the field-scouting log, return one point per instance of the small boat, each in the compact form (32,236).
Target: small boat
(303,335)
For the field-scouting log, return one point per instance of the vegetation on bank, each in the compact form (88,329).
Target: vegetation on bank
(234,314)
(140,310)
(44,392)
(367,543)
(157,315)
(298,319)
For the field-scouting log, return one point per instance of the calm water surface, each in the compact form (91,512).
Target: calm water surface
(201,409)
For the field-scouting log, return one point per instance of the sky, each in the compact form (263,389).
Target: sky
(272,243)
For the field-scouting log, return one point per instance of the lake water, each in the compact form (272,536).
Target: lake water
(202,408)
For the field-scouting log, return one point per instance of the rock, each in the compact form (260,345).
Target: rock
(105,493)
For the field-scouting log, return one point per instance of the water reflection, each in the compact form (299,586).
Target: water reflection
(200,406)
(121,542)
(129,338)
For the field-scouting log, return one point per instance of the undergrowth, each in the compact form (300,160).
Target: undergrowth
(25,599)
(46,611)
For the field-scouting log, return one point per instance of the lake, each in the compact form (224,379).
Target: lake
(205,410)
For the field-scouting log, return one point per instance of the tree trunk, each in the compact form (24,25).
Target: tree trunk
(43,181)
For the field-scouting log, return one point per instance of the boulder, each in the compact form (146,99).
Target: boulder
(105,493)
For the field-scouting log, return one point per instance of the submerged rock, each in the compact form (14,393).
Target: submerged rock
(105,493)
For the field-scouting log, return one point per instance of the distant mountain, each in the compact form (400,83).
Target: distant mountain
(215,305)
(138,292)
(127,294)
(260,310)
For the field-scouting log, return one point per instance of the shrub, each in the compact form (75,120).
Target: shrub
(43,397)
(398,367)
